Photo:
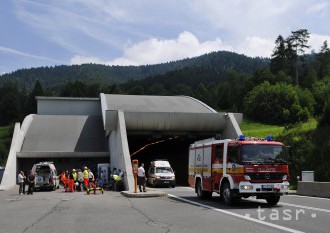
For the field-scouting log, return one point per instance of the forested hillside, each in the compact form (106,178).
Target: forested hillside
(51,77)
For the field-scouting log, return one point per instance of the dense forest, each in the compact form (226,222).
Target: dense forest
(56,77)
(289,88)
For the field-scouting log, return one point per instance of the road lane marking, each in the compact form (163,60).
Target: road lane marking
(246,217)
(305,207)
(320,198)
(300,206)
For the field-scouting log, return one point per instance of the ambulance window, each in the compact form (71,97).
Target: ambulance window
(219,152)
(233,154)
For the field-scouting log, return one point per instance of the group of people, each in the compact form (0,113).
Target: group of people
(22,180)
(80,180)
(77,179)
(117,179)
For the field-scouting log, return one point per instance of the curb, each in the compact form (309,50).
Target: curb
(292,192)
(149,193)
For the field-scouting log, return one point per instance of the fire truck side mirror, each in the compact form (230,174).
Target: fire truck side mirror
(135,166)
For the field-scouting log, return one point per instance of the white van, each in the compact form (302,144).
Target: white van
(46,176)
(160,173)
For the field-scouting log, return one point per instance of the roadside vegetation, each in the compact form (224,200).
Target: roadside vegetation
(6,133)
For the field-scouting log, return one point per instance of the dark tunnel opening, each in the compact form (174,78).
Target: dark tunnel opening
(175,150)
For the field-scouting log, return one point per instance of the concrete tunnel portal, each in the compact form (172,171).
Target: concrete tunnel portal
(136,121)
(86,131)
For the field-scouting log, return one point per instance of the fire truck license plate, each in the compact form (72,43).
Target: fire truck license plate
(267,186)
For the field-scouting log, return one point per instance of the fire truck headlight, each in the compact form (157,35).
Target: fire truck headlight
(285,186)
(285,177)
(246,187)
(246,177)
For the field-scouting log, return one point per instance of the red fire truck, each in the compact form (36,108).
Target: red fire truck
(239,168)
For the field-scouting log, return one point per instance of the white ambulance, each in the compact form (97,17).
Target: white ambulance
(46,176)
(160,173)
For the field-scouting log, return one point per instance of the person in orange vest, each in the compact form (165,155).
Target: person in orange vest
(85,175)
(71,181)
(64,180)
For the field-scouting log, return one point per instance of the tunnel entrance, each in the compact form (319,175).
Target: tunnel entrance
(175,150)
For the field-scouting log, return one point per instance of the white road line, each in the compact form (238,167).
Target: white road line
(305,207)
(190,188)
(247,217)
(302,196)
(300,206)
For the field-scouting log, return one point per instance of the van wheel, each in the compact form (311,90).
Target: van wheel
(226,194)
(200,192)
(173,186)
(273,200)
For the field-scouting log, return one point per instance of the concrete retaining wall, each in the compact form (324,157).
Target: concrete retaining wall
(119,151)
(10,174)
(316,189)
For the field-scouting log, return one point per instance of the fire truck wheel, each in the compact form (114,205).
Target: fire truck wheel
(273,200)
(200,192)
(226,194)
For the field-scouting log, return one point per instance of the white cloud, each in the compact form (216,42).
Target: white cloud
(256,47)
(15,52)
(319,8)
(316,41)
(155,51)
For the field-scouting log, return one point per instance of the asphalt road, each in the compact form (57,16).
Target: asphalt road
(180,211)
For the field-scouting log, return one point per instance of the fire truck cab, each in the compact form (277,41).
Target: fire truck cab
(239,168)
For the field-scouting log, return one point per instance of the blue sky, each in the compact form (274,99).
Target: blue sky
(38,33)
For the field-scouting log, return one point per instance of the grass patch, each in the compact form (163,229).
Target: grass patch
(257,129)
(5,132)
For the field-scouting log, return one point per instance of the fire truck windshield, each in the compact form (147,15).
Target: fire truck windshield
(262,153)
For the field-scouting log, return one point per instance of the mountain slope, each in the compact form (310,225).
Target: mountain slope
(106,75)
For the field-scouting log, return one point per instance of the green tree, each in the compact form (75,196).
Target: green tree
(156,89)
(76,88)
(136,90)
(10,103)
(278,60)
(298,40)
(31,102)
(324,60)
(233,92)
(325,116)
(182,89)
(321,92)
(275,104)
(205,94)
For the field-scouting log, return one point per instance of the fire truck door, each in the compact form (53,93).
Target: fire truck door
(207,161)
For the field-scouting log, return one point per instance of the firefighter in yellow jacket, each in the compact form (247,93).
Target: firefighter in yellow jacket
(86,182)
